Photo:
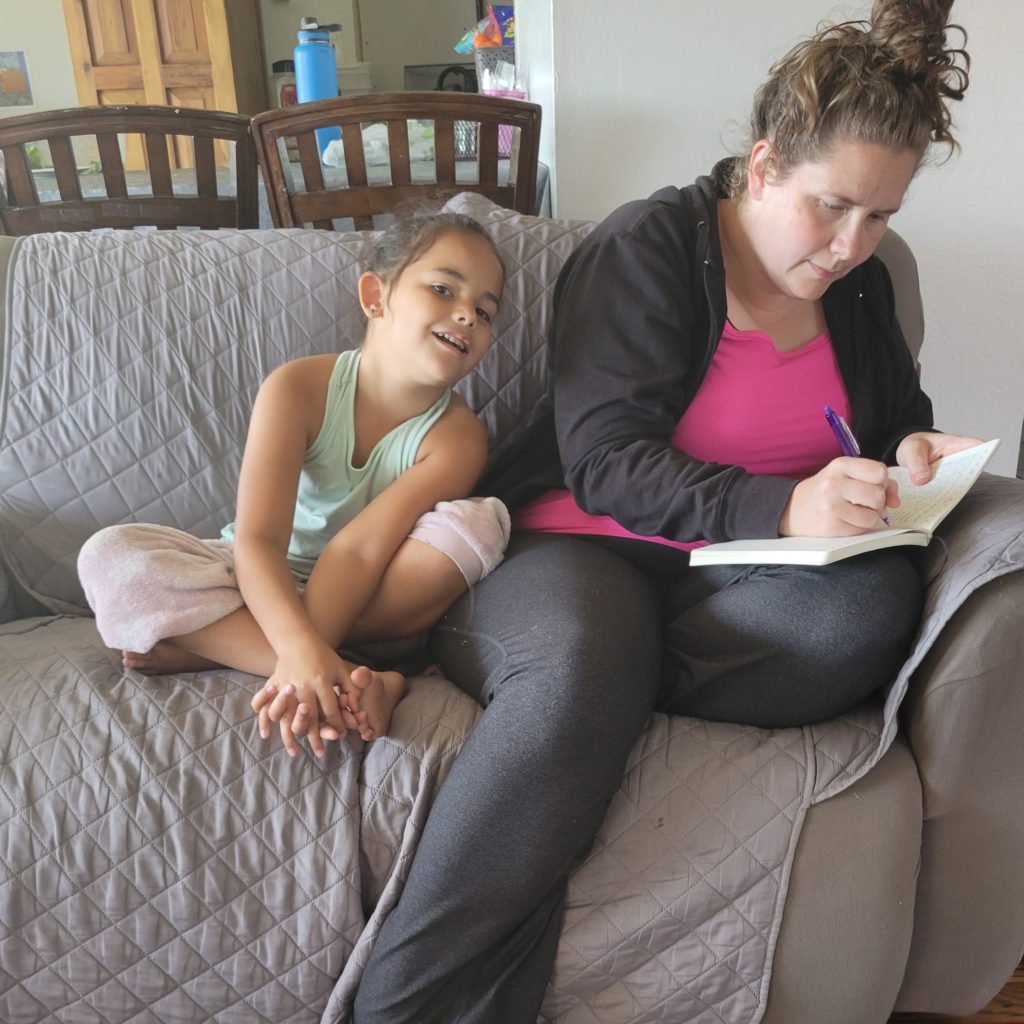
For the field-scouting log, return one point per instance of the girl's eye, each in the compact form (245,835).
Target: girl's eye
(833,207)
(441,289)
(484,315)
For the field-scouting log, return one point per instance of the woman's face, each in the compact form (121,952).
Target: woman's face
(826,216)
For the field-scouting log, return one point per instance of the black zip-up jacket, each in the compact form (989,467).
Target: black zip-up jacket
(639,309)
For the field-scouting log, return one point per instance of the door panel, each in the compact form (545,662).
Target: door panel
(182,31)
(111,30)
(160,52)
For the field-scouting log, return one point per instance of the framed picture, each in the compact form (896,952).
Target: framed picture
(15,88)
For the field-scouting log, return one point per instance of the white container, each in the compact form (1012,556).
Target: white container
(354,78)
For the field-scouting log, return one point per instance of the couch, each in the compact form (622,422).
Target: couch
(160,863)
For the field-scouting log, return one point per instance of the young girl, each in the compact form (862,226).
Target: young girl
(351,525)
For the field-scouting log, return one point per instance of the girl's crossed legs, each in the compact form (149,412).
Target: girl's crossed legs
(171,602)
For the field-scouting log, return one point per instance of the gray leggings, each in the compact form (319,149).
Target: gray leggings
(562,645)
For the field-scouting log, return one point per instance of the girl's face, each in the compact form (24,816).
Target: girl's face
(439,313)
(826,216)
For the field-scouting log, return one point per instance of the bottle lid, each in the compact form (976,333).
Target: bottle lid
(309,24)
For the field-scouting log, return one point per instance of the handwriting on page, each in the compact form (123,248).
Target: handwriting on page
(926,506)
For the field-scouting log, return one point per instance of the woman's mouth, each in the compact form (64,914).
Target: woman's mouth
(822,274)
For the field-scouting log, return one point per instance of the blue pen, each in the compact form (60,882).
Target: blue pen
(844,435)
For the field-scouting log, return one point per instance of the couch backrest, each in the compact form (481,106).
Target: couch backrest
(131,360)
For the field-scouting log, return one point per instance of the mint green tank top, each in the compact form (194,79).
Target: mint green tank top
(331,490)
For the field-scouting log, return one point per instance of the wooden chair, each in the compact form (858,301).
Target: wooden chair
(481,144)
(180,198)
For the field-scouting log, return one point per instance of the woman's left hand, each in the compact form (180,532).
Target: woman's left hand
(917,452)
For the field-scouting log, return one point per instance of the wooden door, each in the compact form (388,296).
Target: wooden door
(180,53)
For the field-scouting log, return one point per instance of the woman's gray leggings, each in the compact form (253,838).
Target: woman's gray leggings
(563,646)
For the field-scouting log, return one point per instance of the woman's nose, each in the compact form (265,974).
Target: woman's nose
(845,243)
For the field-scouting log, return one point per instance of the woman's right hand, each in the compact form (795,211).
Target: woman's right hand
(847,497)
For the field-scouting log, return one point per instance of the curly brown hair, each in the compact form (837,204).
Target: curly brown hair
(886,81)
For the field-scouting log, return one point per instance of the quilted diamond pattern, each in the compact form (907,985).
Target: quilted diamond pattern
(134,359)
(509,383)
(133,362)
(159,861)
(672,914)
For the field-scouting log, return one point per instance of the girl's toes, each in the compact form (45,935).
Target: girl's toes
(361,676)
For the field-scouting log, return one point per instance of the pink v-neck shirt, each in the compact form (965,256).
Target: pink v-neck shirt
(757,408)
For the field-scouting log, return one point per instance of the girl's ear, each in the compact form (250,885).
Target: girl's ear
(759,168)
(372,291)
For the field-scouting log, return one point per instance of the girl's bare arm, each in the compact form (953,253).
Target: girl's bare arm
(348,572)
(287,415)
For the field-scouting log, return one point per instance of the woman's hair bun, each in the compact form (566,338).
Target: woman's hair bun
(888,81)
(913,37)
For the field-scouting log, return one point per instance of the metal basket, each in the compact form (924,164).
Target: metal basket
(488,57)
(465,140)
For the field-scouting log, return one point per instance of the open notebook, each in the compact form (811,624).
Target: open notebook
(921,510)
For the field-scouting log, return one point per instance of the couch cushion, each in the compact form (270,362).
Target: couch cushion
(508,384)
(132,360)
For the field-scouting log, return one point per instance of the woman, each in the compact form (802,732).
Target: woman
(698,337)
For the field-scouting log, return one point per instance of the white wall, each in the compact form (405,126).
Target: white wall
(401,32)
(655,98)
(535,61)
(281,20)
(38,29)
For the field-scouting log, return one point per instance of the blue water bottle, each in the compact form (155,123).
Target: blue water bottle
(316,73)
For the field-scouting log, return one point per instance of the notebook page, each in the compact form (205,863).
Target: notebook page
(926,506)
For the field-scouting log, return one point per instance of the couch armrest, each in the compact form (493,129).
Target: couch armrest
(964,719)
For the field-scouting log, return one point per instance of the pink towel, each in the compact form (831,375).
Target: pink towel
(472,532)
(147,583)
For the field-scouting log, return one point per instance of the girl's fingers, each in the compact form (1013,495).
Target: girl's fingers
(264,722)
(287,738)
(282,705)
(301,727)
(263,696)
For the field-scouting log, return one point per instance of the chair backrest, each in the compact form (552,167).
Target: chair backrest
(80,198)
(359,156)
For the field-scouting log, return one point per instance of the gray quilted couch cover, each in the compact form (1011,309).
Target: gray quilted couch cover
(158,862)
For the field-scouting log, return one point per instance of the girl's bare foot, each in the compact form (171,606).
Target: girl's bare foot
(380,692)
(165,659)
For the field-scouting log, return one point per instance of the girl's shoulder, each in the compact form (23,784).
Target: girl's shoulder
(299,389)
(457,427)
(305,369)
